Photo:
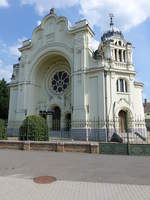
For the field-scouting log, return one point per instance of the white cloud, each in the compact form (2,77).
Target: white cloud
(38,22)
(5,71)
(95,44)
(43,6)
(129,13)
(4,3)
(13,49)
(8,56)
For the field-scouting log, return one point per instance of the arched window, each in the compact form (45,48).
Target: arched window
(117,85)
(120,43)
(116,54)
(122,85)
(120,55)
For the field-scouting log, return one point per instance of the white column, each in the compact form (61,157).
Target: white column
(124,56)
(117,55)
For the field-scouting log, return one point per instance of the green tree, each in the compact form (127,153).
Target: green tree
(3,133)
(4,99)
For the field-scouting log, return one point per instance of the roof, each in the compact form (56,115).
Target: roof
(112,33)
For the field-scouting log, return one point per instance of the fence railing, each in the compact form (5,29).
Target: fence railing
(94,130)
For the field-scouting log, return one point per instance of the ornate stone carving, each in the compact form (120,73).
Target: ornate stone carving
(50,37)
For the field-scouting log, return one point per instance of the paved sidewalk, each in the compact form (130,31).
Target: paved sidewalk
(12,188)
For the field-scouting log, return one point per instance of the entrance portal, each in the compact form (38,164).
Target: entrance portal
(68,121)
(122,121)
(56,120)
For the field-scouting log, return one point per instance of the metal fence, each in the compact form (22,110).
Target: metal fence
(92,130)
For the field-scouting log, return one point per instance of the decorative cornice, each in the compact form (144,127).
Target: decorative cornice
(139,84)
(125,71)
(14,84)
(82,28)
(52,45)
(26,46)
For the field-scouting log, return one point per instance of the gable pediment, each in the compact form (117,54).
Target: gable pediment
(58,30)
(52,28)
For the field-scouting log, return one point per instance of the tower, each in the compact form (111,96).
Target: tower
(122,93)
(115,49)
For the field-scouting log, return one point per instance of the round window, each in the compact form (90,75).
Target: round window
(60,81)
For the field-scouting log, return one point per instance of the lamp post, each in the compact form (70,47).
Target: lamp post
(25,112)
(128,141)
(106,109)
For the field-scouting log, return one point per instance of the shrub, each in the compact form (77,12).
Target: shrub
(3,133)
(34,128)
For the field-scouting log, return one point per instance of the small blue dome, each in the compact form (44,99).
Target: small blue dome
(111,34)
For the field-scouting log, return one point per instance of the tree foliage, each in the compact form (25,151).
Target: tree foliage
(3,133)
(4,99)
(34,128)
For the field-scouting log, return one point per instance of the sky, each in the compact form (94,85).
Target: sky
(18,18)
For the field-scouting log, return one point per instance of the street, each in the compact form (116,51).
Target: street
(76,166)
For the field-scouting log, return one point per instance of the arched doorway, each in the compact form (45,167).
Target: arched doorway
(56,119)
(68,121)
(122,121)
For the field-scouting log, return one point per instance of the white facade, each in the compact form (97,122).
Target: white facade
(58,69)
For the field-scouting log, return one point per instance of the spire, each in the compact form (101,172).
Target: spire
(111,15)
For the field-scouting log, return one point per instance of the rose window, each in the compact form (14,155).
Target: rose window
(60,81)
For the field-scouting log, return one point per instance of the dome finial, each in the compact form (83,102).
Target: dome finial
(111,15)
(52,11)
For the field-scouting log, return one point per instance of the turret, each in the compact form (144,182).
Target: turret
(114,47)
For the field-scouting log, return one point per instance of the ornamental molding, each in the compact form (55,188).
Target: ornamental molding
(48,47)
(123,104)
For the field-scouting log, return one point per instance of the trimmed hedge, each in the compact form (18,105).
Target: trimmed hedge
(3,133)
(34,128)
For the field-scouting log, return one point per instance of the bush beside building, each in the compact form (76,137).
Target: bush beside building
(34,128)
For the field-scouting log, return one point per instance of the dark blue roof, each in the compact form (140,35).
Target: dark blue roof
(110,34)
